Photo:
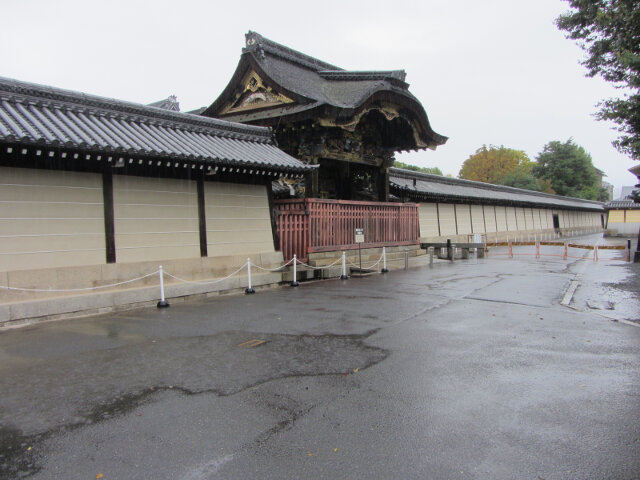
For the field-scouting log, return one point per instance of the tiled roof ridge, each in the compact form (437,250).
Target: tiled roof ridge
(256,42)
(627,204)
(14,90)
(487,186)
(400,75)
(169,103)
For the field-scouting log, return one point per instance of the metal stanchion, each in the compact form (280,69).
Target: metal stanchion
(406,259)
(162,303)
(384,261)
(295,283)
(249,288)
(344,267)
(431,256)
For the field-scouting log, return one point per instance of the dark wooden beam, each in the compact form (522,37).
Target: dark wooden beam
(272,215)
(109,217)
(311,184)
(202,216)
(455,215)
(383,184)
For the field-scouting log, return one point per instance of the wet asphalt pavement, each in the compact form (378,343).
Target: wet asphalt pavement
(470,370)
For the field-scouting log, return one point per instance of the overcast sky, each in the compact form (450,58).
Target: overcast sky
(487,72)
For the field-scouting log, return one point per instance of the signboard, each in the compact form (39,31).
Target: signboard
(359,235)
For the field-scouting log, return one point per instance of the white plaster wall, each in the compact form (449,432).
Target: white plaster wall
(490,218)
(50,219)
(447,219)
(501,219)
(155,219)
(477,219)
(238,219)
(463,217)
(428,217)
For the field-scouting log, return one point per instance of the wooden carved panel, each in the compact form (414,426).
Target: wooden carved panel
(253,94)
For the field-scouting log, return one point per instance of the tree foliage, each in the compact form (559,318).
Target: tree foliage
(524,178)
(569,170)
(492,164)
(415,168)
(609,31)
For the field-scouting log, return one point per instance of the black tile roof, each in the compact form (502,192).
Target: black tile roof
(429,187)
(622,205)
(41,115)
(316,83)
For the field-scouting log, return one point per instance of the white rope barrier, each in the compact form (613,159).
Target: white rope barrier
(320,268)
(371,267)
(248,264)
(206,282)
(87,289)
(273,269)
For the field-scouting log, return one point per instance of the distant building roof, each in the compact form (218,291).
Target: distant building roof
(47,116)
(169,103)
(622,205)
(429,187)
(300,86)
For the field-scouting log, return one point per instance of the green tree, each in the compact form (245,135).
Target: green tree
(609,32)
(520,178)
(492,164)
(415,168)
(569,169)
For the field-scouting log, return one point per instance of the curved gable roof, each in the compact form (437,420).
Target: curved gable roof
(315,84)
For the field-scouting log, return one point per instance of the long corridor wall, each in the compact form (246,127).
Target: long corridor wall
(440,221)
(56,219)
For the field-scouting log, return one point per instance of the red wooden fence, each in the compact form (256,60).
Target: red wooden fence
(315,225)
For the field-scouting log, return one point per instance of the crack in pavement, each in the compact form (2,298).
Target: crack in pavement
(506,302)
(105,384)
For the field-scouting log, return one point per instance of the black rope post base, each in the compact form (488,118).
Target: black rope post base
(163,304)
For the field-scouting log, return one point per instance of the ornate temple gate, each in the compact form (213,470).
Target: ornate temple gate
(317,225)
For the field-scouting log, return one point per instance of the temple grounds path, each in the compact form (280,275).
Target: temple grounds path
(470,369)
